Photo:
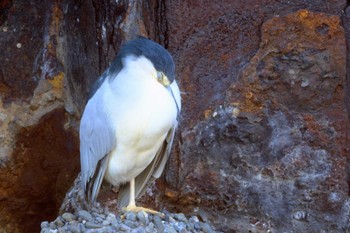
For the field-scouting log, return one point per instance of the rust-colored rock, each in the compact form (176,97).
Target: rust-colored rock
(212,41)
(280,164)
(35,180)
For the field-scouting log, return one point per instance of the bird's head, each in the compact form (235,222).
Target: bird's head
(160,58)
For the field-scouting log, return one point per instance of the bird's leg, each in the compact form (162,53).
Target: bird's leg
(132,206)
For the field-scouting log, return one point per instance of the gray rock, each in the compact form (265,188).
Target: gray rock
(183,231)
(194,219)
(181,217)
(170,230)
(111,217)
(206,228)
(142,216)
(197,226)
(150,228)
(178,226)
(83,214)
(53,225)
(159,224)
(68,217)
(106,223)
(45,224)
(45,230)
(138,230)
(59,221)
(130,216)
(130,223)
(92,225)
(124,227)
(74,228)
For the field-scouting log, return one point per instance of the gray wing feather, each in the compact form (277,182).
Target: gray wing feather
(97,139)
(153,171)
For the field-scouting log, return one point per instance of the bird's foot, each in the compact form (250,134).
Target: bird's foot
(133,208)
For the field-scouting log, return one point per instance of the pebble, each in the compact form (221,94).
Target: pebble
(178,226)
(59,222)
(206,228)
(181,217)
(130,216)
(159,225)
(170,230)
(131,223)
(104,222)
(124,227)
(68,217)
(74,228)
(53,225)
(150,227)
(45,224)
(45,230)
(92,225)
(83,214)
(142,217)
(111,217)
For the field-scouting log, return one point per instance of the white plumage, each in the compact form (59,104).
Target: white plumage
(127,128)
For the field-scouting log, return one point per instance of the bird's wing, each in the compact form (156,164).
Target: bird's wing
(97,139)
(152,171)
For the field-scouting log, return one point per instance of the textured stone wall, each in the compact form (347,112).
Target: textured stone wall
(263,143)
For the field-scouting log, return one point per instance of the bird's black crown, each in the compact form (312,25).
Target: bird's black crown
(141,46)
(157,54)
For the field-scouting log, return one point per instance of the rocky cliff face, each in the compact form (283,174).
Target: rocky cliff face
(263,144)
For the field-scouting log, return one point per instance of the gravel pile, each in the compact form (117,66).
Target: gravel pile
(74,218)
(94,222)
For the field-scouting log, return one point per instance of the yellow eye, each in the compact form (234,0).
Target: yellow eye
(161,78)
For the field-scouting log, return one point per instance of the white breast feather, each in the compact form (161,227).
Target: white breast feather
(142,112)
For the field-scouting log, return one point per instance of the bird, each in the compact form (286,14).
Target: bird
(128,125)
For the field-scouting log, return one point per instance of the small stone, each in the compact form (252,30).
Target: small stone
(181,217)
(45,224)
(68,217)
(45,230)
(194,219)
(74,228)
(171,230)
(206,228)
(150,227)
(106,223)
(83,214)
(130,223)
(178,226)
(197,226)
(159,225)
(111,217)
(131,216)
(171,219)
(138,230)
(53,225)
(304,83)
(183,231)
(92,225)
(59,222)
(142,216)
(124,227)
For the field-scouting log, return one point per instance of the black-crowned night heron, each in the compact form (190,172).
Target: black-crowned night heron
(127,128)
